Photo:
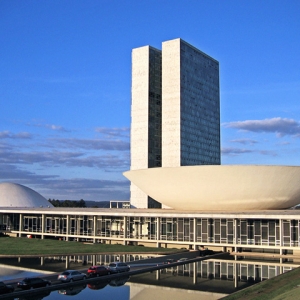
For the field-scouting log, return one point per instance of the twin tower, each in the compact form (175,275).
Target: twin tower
(175,110)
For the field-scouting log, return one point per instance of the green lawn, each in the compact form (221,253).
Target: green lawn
(25,246)
(282,287)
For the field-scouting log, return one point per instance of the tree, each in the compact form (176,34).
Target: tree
(67,203)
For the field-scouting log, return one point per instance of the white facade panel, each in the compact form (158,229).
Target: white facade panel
(139,108)
(171,103)
(139,120)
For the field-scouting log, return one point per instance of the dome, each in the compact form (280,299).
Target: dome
(221,187)
(17,195)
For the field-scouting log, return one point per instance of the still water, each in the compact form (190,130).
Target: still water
(210,279)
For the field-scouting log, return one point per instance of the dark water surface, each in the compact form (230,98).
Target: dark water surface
(210,279)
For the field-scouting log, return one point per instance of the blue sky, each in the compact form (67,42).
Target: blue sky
(66,74)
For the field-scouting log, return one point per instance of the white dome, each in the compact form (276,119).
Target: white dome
(16,195)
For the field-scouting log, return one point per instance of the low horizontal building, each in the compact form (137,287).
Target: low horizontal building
(259,231)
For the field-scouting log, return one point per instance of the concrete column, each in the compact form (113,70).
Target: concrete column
(94,259)
(20,225)
(94,228)
(68,228)
(140,230)
(42,261)
(43,226)
(125,232)
(158,231)
(195,271)
(280,234)
(78,226)
(195,234)
(235,238)
(236,275)
(281,244)
(67,262)
(157,274)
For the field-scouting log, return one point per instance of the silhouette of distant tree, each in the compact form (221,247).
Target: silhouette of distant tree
(67,203)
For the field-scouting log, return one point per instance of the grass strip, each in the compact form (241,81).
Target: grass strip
(284,287)
(23,246)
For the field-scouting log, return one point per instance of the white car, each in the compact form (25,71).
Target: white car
(71,275)
(117,267)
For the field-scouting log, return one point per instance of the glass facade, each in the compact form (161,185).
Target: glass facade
(154,124)
(237,234)
(199,108)
(154,118)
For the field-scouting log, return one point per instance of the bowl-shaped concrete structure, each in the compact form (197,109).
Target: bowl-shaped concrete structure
(221,187)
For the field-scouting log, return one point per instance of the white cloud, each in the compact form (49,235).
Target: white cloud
(48,126)
(95,144)
(21,135)
(65,158)
(238,151)
(279,126)
(55,127)
(235,151)
(244,141)
(112,132)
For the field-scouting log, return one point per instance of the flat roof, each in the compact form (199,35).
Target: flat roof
(164,213)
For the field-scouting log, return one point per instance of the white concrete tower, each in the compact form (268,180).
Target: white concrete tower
(175,110)
(145,117)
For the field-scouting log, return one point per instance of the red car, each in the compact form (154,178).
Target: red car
(98,271)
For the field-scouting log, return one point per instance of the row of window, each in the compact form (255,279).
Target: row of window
(248,232)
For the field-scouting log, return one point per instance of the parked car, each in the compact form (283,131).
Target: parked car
(5,288)
(117,267)
(71,275)
(33,282)
(98,271)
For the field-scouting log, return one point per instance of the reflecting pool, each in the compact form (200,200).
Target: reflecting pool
(206,279)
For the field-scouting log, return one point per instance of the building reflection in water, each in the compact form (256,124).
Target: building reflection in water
(213,278)
(218,276)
